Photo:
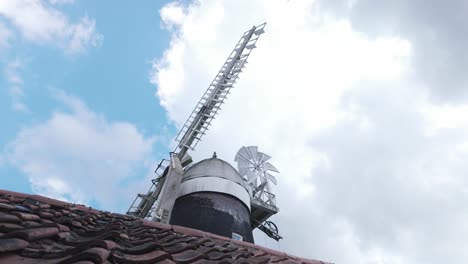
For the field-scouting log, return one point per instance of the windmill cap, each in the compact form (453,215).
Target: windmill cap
(214,175)
(214,167)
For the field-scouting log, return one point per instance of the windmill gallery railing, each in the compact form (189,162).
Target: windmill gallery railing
(264,198)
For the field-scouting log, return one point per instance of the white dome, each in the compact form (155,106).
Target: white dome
(214,175)
(213,167)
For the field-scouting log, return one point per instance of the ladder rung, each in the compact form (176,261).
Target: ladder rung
(185,145)
(199,132)
(223,92)
(215,107)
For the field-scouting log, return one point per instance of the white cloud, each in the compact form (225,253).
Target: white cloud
(79,155)
(436,30)
(42,23)
(362,179)
(14,79)
(61,2)
(172,14)
(445,117)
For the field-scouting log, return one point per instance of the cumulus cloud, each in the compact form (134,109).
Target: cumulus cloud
(42,23)
(371,171)
(436,30)
(80,156)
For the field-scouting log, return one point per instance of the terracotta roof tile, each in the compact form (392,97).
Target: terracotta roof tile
(26,216)
(5,206)
(37,229)
(6,217)
(12,244)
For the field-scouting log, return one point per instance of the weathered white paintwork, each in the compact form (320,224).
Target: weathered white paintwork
(170,190)
(214,175)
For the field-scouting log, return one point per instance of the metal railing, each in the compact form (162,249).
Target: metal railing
(264,198)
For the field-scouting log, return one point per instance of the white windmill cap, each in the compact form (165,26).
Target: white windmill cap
(214,175)
(214,167)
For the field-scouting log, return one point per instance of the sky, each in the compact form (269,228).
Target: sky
(362,105)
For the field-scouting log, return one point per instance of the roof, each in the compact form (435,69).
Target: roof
(216,168)
(37,229)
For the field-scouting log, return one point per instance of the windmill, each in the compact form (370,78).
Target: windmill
(158,203)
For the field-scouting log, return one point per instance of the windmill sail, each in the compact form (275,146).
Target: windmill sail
(207,108)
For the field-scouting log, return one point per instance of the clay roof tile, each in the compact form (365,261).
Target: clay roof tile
(37,229)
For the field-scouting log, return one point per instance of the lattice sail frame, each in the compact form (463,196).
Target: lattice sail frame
(147,205)
(210,103)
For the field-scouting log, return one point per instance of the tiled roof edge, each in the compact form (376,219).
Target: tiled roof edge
(178,229)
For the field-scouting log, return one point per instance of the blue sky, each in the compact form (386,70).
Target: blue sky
(112,78)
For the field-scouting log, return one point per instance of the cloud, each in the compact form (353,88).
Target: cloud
(172,14)
(79,155)
(369,174)
(436,30)
(389,177)
(61,2)
(42,23)
(14,79)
